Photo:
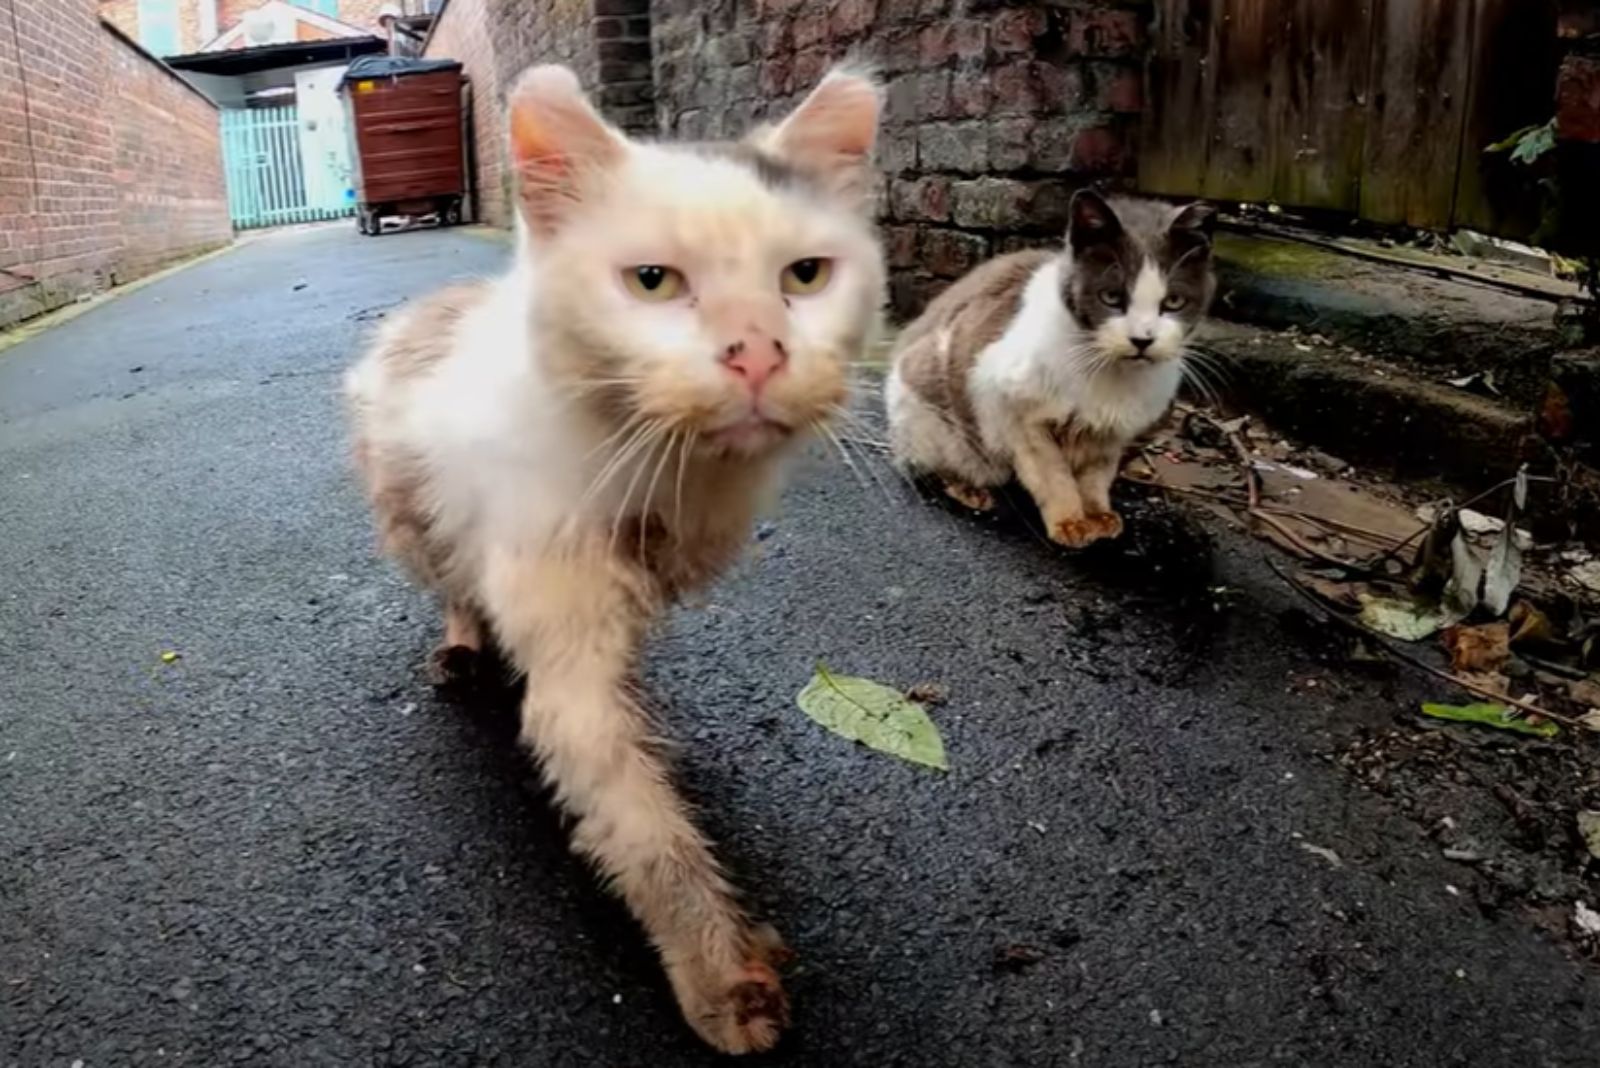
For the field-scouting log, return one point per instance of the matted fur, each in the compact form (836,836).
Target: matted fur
(1043,366)
(559,453)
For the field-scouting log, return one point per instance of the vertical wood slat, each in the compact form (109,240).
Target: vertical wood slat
(1320,75)
(1178,98)
(1421,59)
(1245,113)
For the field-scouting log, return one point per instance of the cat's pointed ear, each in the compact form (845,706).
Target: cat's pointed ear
(559,144)
(1091,220)
(832,132)
(1198,219)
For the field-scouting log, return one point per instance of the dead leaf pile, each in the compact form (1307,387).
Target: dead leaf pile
(1461,573)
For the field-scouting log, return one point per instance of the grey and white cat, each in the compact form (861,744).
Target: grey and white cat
(1046,364)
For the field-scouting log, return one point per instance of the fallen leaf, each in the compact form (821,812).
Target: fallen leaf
(1530,626)
(1478,523)
(1465,588)
(1590,720)
(1324,852)
(1407,619)
(1585,692)
(1502,573)
(1340,594)
(1589,828)
(170,657)
(874,715)
(1587,575)
(1478,649)
(1585,920)
(1498,716)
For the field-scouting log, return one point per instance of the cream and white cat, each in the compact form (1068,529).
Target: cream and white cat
(561,451)
(1045,365)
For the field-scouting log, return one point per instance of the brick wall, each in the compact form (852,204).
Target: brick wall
(606,42)
(171,194)
(995,112)
(81,111)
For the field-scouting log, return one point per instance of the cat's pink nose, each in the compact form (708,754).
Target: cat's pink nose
(755,358)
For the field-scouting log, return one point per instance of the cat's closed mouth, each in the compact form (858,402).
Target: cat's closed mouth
(755,431)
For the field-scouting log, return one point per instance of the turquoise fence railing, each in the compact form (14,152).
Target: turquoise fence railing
(265,171)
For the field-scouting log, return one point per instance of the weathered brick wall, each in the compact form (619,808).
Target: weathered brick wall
(78,106)
(58,202)
(463,34)
(606,42)
(995,112)
(171,194)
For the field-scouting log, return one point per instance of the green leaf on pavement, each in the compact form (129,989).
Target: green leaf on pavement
(1497,716)
(874,715)
(1403,618)
(1589,828)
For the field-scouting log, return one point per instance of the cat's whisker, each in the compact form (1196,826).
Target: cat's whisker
(828,432)
(690,437)
(642,455)
(824,432)
(650,490)
(617,462)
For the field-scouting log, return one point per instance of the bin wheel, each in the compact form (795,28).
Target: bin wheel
(452,213)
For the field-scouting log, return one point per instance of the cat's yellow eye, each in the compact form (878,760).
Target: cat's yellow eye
(806,276)
(1174,302)
(1111,298)
(654,283)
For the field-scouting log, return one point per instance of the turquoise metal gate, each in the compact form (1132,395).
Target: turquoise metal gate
(266,170)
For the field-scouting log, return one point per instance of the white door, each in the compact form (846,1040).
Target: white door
(324,144)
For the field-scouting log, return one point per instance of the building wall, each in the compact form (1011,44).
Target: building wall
(463,33)
(124,14)
(606,42)
(109,164)
(995,112)
(171,195)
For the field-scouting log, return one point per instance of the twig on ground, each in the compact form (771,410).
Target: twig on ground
(1421,665)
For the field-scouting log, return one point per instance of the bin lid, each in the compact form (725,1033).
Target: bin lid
(368,68)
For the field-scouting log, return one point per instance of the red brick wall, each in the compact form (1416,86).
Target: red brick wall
(996,111)
(463,33)
(81,113)
(606,42)
(171,194)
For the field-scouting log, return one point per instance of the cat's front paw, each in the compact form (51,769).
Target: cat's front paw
(743,1011)
(976,498)
(1075,533)
(1109,525)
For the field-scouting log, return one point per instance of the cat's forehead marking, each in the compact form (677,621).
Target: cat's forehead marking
(773,173)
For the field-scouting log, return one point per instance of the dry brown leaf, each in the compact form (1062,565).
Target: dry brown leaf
(1585,692)
(1529,626)
(1340,594)
(1478,650)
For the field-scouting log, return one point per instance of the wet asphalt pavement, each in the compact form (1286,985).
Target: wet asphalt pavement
(280,849)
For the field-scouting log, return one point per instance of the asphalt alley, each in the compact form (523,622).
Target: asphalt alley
(280,849)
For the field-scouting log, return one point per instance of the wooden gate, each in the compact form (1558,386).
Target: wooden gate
(1379,108)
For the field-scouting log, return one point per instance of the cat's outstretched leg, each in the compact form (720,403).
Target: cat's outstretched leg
(1045,473)
(1094,484)
(574,624)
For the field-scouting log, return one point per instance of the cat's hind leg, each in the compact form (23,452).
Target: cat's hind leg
(925,443)
(574,625)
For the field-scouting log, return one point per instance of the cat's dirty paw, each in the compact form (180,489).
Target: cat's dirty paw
(1108,524)
(1075,533)
(455,667)
(742,1012)
(1085,530)
(974,497)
